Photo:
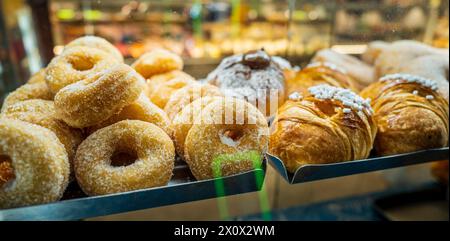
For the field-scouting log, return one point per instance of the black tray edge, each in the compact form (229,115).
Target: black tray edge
(313,172)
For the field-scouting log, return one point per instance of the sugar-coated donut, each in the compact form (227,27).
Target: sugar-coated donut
(150,147)
(39,162)
(75,64)
(157,61)
(42,113)
(28,92)
(98,43)
(162,92)
(142,109)
(156,80)
(38,77)
(231,137)
(183,121)
(96,98)
(186,95)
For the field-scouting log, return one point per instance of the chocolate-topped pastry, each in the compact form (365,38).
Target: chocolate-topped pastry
(256,59)
(253,76)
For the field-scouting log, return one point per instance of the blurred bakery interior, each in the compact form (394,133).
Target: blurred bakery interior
(203,32)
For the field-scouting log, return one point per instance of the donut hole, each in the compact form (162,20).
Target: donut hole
(123,158)
(231,137)
(6,170)
(81,63)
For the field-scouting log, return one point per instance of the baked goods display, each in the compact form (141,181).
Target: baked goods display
(92,119)
(327,125)
(409,112)
(406,84)
(40,168)
(98,173)
(87,91)
(89,118)
(254,77)
(233,136)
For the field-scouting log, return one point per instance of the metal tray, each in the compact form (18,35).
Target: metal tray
(182,188)
(312,172)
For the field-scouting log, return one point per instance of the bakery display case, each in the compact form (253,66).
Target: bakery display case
(137,110)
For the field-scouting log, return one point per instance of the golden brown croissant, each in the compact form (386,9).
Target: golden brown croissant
(319,73)
(410,114)
(329,125)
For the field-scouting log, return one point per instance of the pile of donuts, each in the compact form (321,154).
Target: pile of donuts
(92,119)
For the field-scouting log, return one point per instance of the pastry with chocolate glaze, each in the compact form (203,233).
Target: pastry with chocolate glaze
(254,77)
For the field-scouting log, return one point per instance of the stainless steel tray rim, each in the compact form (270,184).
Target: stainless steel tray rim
(140,190)
(85,207)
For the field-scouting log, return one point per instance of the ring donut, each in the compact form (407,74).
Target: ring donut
(186,95)
(34,165)
(98,43)
(38,77)
(183,121)
(156,80)
(75,64)
(142,109)
(42,113)
(101,160)
(231,137)
(28,92)
(161,93)
(96,98)
(157,61)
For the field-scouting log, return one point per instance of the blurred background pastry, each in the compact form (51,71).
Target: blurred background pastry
(320,73)
(362,73)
